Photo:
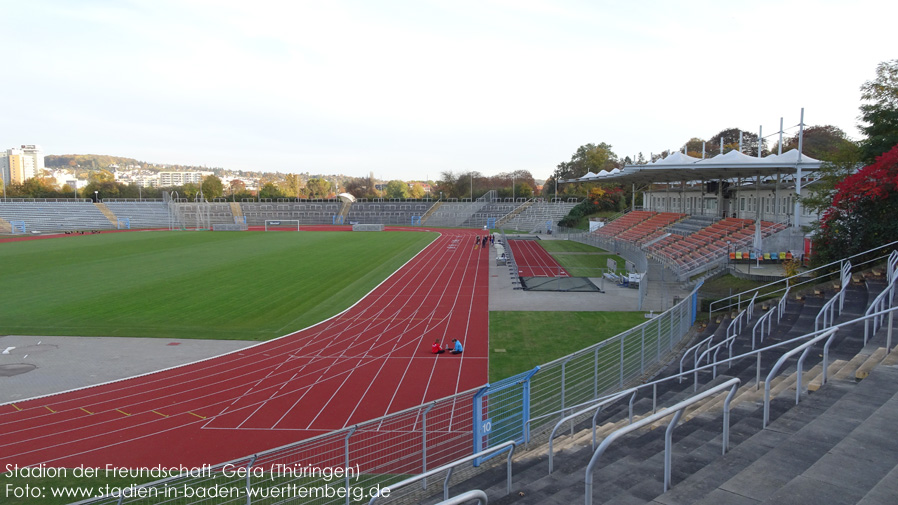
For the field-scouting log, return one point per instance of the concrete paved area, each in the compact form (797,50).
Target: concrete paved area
(35,366)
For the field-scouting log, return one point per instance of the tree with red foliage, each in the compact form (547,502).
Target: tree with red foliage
(863,212)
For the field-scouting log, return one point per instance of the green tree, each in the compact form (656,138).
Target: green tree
(879,114)
(417,191)
(357,187)
(730,138)
(523,190)
(236,186)
(396,189)
(103,189)
(861,216)
(825,143)
(293,186)
(694,147)
(318,187)
(102,175)
(212,187)
(189,191)
(270,191)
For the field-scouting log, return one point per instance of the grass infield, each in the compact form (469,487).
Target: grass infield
(528,339)
(235,286)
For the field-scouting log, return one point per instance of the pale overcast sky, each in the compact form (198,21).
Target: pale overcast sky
(409,89)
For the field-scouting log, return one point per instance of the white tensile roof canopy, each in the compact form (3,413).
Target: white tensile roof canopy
(680,167)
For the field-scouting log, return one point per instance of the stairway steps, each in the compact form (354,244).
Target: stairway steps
(864,370)
(833,368)
(848,371)
(631,471)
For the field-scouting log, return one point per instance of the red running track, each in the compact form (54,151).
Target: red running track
(534,261)
(369,361)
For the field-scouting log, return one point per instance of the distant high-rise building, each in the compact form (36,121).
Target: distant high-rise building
(179,178)
(19,164)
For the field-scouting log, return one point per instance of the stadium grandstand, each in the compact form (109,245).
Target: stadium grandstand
(173,212)
(700,214)
(782,394)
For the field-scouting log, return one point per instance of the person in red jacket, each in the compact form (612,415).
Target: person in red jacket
(435,348)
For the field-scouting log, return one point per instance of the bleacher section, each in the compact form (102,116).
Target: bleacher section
(529,215)
(56,216)
(494,210)
(307,212)
(710,243)
(535,216)
(639,226)
(454,214)
(389,212)
(650,228)
(204,215)
(141,214)
(623,223)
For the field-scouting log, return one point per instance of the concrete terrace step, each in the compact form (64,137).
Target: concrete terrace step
(632,469)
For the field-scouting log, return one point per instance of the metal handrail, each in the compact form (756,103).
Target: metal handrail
(756,352)
(766,318)
(804,348)
(789,280)
(826,316)
(677,411)
(505,446)
(886,296)
(597,407)
(474,494)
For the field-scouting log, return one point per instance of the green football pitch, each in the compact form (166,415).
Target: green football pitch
(226,285)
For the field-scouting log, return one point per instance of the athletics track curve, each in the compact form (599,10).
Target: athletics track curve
(534,261)
(371,360)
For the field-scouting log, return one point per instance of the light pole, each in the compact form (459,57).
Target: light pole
(96,196)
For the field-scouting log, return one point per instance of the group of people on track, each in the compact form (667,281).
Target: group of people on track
(456,347)
(483,241)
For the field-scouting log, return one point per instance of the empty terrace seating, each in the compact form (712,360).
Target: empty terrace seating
(40,216)
(398,212)
(494,210)
(535,216)
(730,235)
(141,214)
(650,228)
(624,223)
(306,212)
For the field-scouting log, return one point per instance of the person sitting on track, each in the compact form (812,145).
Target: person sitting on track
(458,348)
(435,348)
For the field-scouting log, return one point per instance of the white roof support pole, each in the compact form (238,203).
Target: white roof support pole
(701,204)
(760,138)
(682,197)
(780,149)
(703,150)
(721,145)
(758,199)
(720,210)
(740,141)
(796,214)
